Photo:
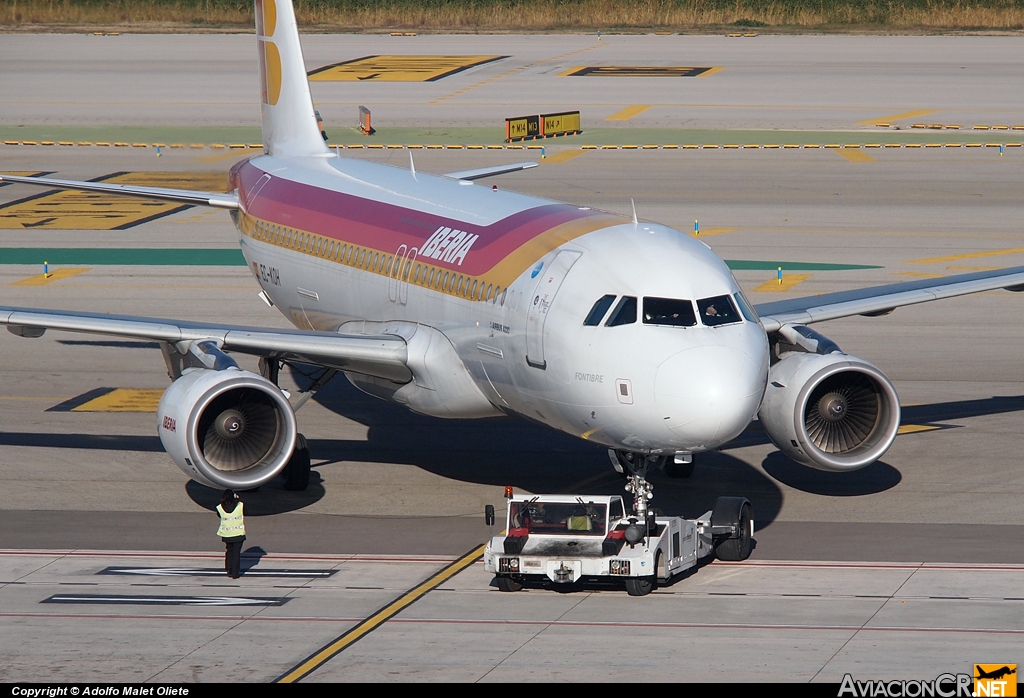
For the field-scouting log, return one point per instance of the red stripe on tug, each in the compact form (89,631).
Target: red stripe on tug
(386,227)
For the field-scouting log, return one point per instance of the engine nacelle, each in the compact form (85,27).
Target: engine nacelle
(829,411)
(228,428)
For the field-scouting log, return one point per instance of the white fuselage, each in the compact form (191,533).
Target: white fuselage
(641,386)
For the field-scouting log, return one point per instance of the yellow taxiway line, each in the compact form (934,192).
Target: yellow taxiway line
(788,282)
(55,275)
(967,255)
(363,628)
(897,117)
(628,113)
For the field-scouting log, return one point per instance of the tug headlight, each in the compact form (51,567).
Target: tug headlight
(508,565)
(618,567)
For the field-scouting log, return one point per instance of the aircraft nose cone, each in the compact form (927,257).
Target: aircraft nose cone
(709,393)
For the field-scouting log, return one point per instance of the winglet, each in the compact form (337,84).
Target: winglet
(289,120)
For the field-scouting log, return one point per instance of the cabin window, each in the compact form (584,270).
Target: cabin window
(472,294)
(490,293)
(330,250)
(416,279)
(503,296)
(444,286)
(376,261)
(597,312)
(624,313)
(461,279)
(717,311)
(669,311)
(362,259)
(430,281)
(405,272)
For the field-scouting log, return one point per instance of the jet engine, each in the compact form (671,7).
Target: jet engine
(227,428)
(830,411)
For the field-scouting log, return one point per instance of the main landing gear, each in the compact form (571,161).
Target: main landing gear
(297,471)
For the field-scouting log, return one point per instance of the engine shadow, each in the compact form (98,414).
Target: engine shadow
(875,478)
(272,498)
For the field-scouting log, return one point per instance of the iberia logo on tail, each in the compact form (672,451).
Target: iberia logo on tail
(270,57)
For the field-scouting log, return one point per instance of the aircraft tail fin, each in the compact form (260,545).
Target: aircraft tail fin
(289,121)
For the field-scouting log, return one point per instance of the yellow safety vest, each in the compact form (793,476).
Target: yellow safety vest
(231,524)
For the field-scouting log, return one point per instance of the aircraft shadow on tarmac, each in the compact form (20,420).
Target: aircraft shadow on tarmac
(537,459)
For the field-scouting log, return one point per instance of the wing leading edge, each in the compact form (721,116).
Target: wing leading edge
(383,356)
(880,300)
(198,198)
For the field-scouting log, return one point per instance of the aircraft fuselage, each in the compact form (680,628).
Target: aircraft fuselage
(631,335)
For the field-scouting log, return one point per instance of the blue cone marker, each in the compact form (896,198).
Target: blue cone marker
(158,151)
(696,227)
(46,269)
(780,276)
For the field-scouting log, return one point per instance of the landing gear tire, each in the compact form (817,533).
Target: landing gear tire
(679,470)
(505,583)
(639,586)
(296,473)
(734,511)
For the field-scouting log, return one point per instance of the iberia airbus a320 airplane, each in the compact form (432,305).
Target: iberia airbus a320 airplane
(462,302)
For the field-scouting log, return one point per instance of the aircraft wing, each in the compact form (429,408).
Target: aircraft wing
(199,198)
(490,171)
(384,356)
(882,300)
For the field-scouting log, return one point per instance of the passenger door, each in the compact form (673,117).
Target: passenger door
(551,280)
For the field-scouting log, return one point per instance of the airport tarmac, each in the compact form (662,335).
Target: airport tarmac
(396,496)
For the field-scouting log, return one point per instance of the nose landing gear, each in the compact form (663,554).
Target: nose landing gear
(634,466)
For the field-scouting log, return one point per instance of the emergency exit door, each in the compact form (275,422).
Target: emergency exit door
(551,279)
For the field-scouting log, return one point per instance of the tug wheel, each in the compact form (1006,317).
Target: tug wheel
(506,583)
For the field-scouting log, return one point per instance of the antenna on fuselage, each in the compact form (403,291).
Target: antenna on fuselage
(632,203)
(412,165)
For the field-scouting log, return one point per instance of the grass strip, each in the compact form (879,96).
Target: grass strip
(533,15)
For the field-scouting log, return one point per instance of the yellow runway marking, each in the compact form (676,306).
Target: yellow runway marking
(398,68)
(123,400)
(967,255)
(788,282)
(714,231)
(628,113)
(236,154)
(916,428)
(897,117)
(74,210)
(638,71)
(562,156)
(55,275)
(855,155)
(363,628)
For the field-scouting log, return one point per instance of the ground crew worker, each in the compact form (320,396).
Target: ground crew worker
(231,531)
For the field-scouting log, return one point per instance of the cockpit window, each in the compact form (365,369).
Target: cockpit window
(746,309)
(624,313)
(717,311)
(669,311)
(596,313)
